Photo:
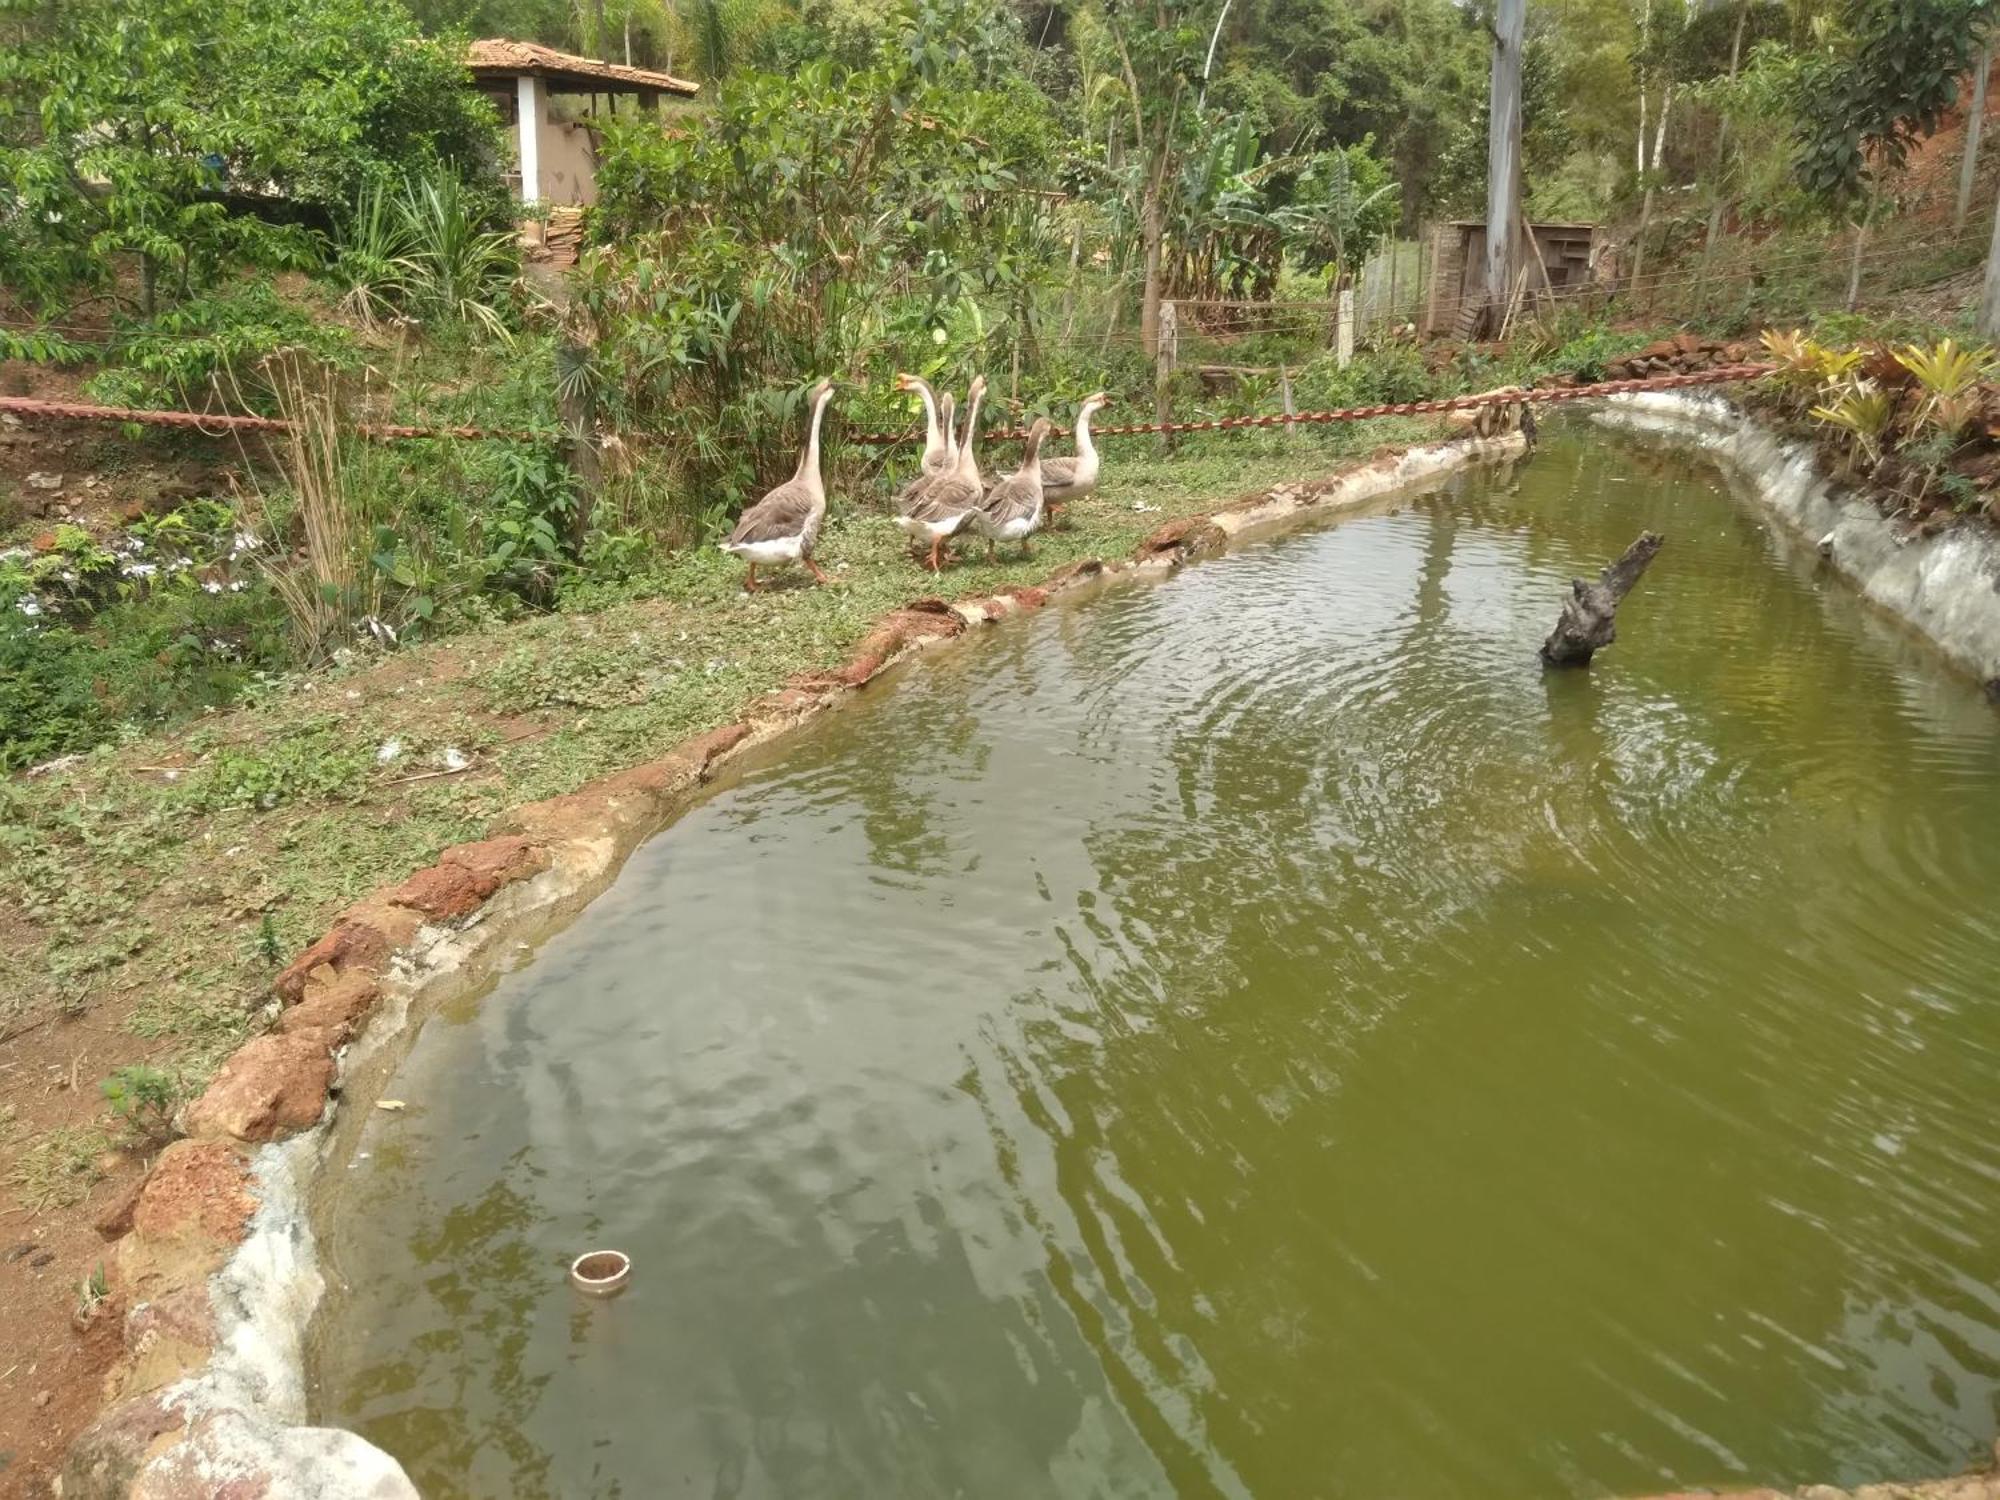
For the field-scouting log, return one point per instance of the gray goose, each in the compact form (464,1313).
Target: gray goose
(784,525)
(1013,509)
(938,509)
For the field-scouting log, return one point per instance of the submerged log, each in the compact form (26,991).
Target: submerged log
(1588,622)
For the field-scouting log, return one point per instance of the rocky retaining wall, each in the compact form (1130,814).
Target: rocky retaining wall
(1946,584)
(215,1265)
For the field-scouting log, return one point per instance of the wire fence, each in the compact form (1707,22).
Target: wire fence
(28,407)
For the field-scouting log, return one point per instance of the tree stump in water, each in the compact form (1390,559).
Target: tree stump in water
(1588,622)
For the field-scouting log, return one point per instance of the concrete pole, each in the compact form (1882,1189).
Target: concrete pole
(1503,155)
(530,103)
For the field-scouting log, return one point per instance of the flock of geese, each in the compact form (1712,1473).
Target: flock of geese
(949,498)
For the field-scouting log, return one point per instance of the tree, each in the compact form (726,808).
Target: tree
(214,127)
(1503,161)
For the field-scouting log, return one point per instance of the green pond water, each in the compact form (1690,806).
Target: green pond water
(1255,1035)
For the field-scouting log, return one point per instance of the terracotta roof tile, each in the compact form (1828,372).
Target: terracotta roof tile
(498,54)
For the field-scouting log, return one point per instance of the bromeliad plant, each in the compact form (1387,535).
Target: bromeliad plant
(1806,367)
(1950,378)
(1861,410)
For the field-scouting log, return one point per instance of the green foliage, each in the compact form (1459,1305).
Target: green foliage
(1862,410)
(211,349)
(315,760)
(270,948)
(1891,72)
(215,127)
(456,267)
(143,1099)
(819,222)
(1950,377)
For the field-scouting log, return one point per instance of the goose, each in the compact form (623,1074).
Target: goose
(911,493)
(1066,479)
(940,508)
(783,526)
(1013,509)
(937,432)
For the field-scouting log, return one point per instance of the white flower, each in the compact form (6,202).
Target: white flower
(244,541)
(140,570)
(28,605)
(210,586)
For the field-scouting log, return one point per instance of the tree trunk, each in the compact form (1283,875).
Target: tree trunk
(1588,622)
(1989,305)
(1646,203)
(1503,157)
(1975,125)
(1152,233)
(1722,142)
(1860,243)
(576,408)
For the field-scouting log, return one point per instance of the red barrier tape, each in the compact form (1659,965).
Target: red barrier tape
(216,424)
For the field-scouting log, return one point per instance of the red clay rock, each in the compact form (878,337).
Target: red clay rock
(197,1188)
(1190,536)
(1026,595)
(194,1210)
(467,875)
(334,1006)
(886,641)
(114,1220)
(107,1456)
(272,1085)
(349,944)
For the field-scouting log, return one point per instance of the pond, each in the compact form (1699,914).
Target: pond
(1257,1035)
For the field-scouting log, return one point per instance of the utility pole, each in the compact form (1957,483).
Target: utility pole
(1503,157)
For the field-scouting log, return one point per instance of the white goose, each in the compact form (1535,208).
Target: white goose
(937,433)
(784,525)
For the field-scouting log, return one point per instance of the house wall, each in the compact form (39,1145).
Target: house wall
(568,162)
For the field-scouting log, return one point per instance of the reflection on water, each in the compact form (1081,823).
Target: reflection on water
(1254,1036)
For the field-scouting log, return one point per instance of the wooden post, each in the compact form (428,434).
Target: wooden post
(1343,349)
(1285,392)
(1503,156)
(1975,123)
(1163,372)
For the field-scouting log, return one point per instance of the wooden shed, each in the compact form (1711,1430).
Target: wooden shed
(1457,273)
(556,157)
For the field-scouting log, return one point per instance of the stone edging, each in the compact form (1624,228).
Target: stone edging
(215,1261)
(1946,586)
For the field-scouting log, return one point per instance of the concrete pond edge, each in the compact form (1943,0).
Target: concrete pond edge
(216,1267)
(1945,586)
